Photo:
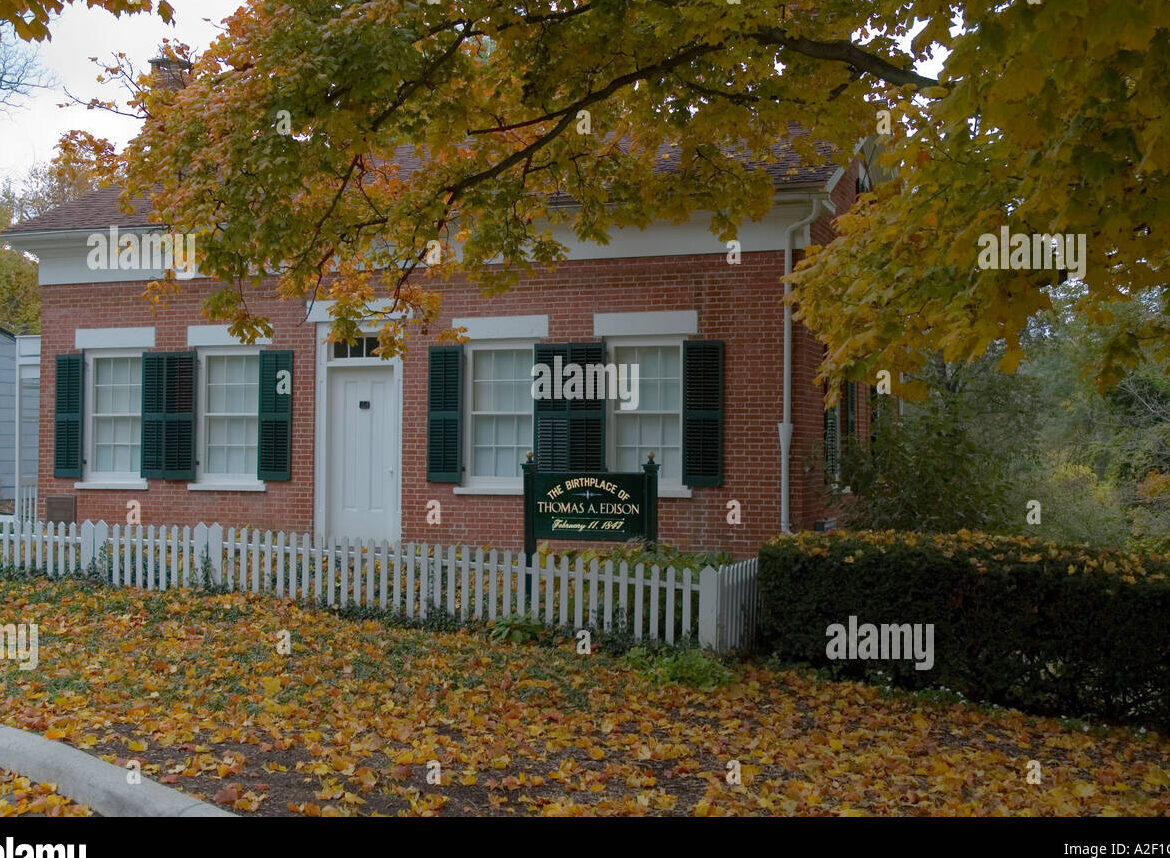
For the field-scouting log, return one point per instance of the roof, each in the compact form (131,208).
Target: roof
(102,209)
(98,209)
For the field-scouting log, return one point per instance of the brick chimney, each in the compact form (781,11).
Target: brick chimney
(169,73)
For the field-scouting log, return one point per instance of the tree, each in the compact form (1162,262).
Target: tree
(965,456)
(30,18)
(1045,124)
(20,72)
(1047,117)
(20,300)
(82,163)
(499,99)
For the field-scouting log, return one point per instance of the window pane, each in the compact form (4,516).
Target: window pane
(627,460)
(482,431)
(627,429)
(105,459)
(656,425)
(501,411)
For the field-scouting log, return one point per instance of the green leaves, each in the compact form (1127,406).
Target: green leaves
(30,18)
(372,85)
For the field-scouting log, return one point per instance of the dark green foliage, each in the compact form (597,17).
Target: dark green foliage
(1012,624)
(964,457)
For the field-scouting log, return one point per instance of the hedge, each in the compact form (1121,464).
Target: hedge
(1020,622)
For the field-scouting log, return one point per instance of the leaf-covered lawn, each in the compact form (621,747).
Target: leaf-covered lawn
(21,797)
(193,686)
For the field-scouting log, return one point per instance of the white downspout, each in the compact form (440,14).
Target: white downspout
(818,202)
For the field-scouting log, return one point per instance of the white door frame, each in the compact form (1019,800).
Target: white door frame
(321,430)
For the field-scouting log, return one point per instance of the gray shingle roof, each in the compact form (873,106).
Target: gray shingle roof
(102,209)
(98,210)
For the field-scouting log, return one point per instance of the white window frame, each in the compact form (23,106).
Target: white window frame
(90,478)
(666,488)
(472,485)
(218,482)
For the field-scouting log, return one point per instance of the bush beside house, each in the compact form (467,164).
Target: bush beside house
(1019,622)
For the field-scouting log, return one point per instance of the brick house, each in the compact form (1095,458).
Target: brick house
(154,405)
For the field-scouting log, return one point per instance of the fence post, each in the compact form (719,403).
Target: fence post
(709,608)
(100,537)
(208,542)
(86,544)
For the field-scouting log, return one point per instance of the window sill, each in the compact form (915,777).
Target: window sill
(114,485)
(674,491)
(227,486)
(488,490)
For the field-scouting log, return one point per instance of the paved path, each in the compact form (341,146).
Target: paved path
(93,782)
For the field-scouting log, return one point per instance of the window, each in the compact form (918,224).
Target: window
(501,411)
(655,426)
(482,418)
(363,347)
(116,416)
(229,424)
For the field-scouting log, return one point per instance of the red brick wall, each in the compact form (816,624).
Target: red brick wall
(740,304)
(287,506)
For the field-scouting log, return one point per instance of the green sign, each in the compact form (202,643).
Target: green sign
(593,506)
(614,507)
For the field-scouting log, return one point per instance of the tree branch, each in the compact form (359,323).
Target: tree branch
(843,51)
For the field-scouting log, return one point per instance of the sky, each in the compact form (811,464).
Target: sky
(29,131)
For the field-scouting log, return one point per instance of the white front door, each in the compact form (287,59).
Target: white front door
(361,452)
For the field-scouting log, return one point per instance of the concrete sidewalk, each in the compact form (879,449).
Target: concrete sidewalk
(93,782)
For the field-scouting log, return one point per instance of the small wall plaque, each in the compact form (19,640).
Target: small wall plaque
(61,508)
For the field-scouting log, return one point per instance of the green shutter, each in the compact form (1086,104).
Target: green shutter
(703,412)
(850,409)
(168,415)
(832,444)
(445,415)
(67,416)
(274,441)
(570,433)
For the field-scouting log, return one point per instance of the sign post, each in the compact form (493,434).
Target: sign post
(612,507)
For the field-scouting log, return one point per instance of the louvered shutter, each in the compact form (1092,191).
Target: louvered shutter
(570,433)
(68,416)
(274,412)
(849,406)
(832,443)
(703,412)
(445,415)
(168,415)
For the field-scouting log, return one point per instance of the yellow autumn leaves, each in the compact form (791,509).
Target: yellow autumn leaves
(352,720)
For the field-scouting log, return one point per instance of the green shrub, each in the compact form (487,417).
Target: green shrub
(687,667)
(1017,621)
(516,629)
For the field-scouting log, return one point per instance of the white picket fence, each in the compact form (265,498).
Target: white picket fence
(25,505)
(715,607)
